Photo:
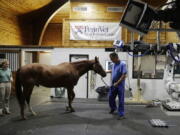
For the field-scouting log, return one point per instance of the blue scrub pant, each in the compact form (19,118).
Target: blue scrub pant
(113,92)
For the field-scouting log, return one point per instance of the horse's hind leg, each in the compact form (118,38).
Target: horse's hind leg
(22,111)
(22,105)
(71,96)
(28,97)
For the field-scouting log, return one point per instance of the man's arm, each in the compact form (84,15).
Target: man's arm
(120,80)
(11,78)
(109,71)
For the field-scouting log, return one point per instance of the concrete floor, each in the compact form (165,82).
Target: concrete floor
(91,118)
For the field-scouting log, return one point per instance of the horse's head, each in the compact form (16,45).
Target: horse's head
(97,68)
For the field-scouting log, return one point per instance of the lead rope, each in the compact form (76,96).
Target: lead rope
(104,81)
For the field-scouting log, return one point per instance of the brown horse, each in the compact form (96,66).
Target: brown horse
(62,75)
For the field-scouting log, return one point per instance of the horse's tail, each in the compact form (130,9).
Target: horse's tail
(19,93)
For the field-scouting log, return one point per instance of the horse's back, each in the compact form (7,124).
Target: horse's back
(48,75)
(36,67)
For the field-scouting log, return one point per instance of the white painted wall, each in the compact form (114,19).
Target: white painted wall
(28,58)
(153,88)
(45,58)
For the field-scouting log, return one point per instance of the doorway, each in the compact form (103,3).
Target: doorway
(31,57)
(81,89)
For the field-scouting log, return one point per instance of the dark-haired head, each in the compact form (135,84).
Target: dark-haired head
(114,57)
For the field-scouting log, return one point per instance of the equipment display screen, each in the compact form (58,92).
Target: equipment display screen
(133,14)
(109,65)
(137,17)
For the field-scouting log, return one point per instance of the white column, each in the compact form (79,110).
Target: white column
(22,57)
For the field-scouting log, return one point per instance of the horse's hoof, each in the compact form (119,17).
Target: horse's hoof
(67,109)
(34,114)
(72,110)
(23,118)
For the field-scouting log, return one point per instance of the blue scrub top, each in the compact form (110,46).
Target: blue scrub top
(118,69)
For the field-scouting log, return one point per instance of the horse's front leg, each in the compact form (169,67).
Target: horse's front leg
(71,96)
(31,110)
(22,112)
(27,94)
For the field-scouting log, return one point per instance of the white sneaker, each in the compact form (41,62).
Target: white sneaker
(1,112)
(6,111)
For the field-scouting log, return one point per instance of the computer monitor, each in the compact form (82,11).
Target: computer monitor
(108,65)
(137,16)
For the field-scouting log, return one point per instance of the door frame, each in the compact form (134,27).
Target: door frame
(82,55)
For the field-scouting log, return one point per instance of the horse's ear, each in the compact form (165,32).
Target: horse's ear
(96,59)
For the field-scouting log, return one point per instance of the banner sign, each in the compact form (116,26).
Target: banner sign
(102,31)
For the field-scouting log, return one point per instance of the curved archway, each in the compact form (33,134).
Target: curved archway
(46,24)
(40,18)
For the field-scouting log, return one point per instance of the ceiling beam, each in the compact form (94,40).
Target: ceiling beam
(123,2)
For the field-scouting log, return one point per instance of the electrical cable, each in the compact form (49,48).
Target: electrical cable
(138,55)
(129,84)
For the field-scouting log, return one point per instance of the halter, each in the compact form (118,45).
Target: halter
(93,68)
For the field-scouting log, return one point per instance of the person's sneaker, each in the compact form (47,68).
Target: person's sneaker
(121,117)
(111,111)
(1,113)
(6,111)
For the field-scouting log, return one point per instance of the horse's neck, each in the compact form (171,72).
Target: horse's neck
(83,67)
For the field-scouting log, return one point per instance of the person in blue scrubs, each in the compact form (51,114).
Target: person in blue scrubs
(118,71)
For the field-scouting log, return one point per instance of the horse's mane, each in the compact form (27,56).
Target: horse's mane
(83,61)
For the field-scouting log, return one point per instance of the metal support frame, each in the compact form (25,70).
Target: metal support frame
(137,96)
(159,36)
(132,40)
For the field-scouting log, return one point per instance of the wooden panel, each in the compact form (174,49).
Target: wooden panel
(41,18)
(102,1)
(59,18)
(25,6)
(172,37)
(151,37)
(53,35)
(63,13)
(10,30)
(151,2)
(22,6)
(22,24)
(95,11)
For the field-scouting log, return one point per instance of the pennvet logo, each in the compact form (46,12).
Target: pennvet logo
(79,29)
(91,29)
(103,31)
